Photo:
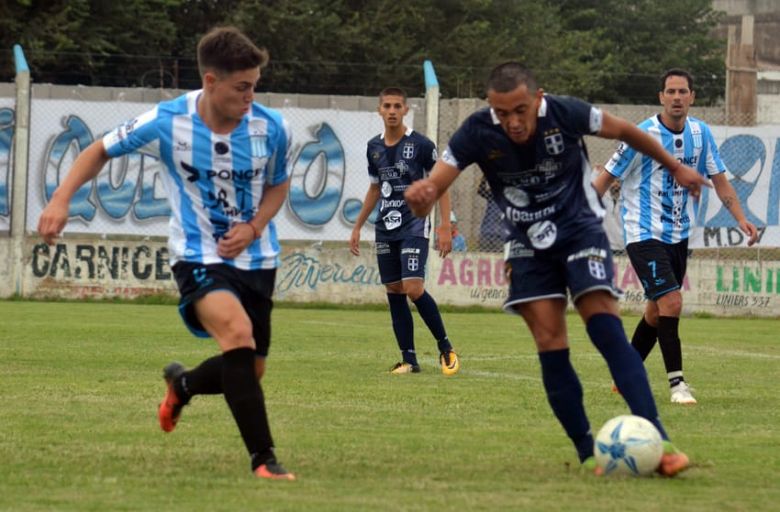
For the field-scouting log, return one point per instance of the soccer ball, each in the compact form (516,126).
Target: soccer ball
(628,445)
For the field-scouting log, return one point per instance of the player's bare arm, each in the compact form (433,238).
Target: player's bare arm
(86,166)
(602,181)
(728,196)
(242,234)
(613,127)
(369,203)
(444,230)
(422,194)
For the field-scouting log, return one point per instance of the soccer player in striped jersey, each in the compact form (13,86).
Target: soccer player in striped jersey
(397,158)
(227,176)
(530,148)
(657,217)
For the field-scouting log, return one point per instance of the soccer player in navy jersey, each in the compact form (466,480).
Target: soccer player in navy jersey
(396,158)
(657,218)
(227,176)
(530,148)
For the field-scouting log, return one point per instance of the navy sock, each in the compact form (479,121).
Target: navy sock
(403,326)
(628,372)
(245,399)
(204,379)
(429,312)
(671,348)
(564,392)
(644,338)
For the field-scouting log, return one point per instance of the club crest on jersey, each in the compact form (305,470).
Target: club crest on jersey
(696,135)
(257,146)
(408,150)
(554,144)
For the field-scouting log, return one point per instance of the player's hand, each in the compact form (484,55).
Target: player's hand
(690,179)
(750,230)
(444,236)
(236,240)
(52,220)
(420,196)
(354,242)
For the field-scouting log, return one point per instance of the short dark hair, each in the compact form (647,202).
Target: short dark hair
(227,49)
(392,91)
(509,76)
(676,72)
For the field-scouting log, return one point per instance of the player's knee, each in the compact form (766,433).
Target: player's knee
(414,288)
(670,304)
(237,333)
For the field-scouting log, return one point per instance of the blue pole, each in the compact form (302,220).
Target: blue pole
(430,75)
(21,62)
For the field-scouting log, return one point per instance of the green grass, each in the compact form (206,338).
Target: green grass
(81,382)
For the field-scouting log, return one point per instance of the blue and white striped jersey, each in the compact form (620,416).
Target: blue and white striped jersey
(213,181)
(653,204)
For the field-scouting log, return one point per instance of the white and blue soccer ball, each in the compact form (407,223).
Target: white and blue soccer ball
(628,445)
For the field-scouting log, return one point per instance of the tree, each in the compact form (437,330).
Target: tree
(634,41)
(602,50)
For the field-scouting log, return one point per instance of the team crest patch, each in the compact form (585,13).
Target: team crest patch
(554,144)
(413,263)
(596,269)
(257,146)
(408,150)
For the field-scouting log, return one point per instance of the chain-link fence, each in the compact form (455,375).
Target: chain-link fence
(749,152)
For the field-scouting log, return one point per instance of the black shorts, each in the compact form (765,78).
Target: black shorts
(253,288)
(659,266)
(582,265)
(402,259)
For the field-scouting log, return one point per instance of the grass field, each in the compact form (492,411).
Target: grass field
(81,383)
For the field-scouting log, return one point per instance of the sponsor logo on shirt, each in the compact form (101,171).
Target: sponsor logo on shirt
(543,234)
(515,215)
(387,189)
(222,174)
(391,203)
(392,219)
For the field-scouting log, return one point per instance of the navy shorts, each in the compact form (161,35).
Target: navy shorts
(402,259)
(253,288)
(660,266)
(582,265)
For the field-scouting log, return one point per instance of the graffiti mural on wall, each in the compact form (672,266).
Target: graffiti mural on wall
(6,143)
(328,172)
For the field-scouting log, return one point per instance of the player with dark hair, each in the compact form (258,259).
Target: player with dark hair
(226,159)
(657,218)
(397,158)
(530,148)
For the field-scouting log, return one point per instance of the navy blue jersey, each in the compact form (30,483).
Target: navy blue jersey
(394,168)
(542,187)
